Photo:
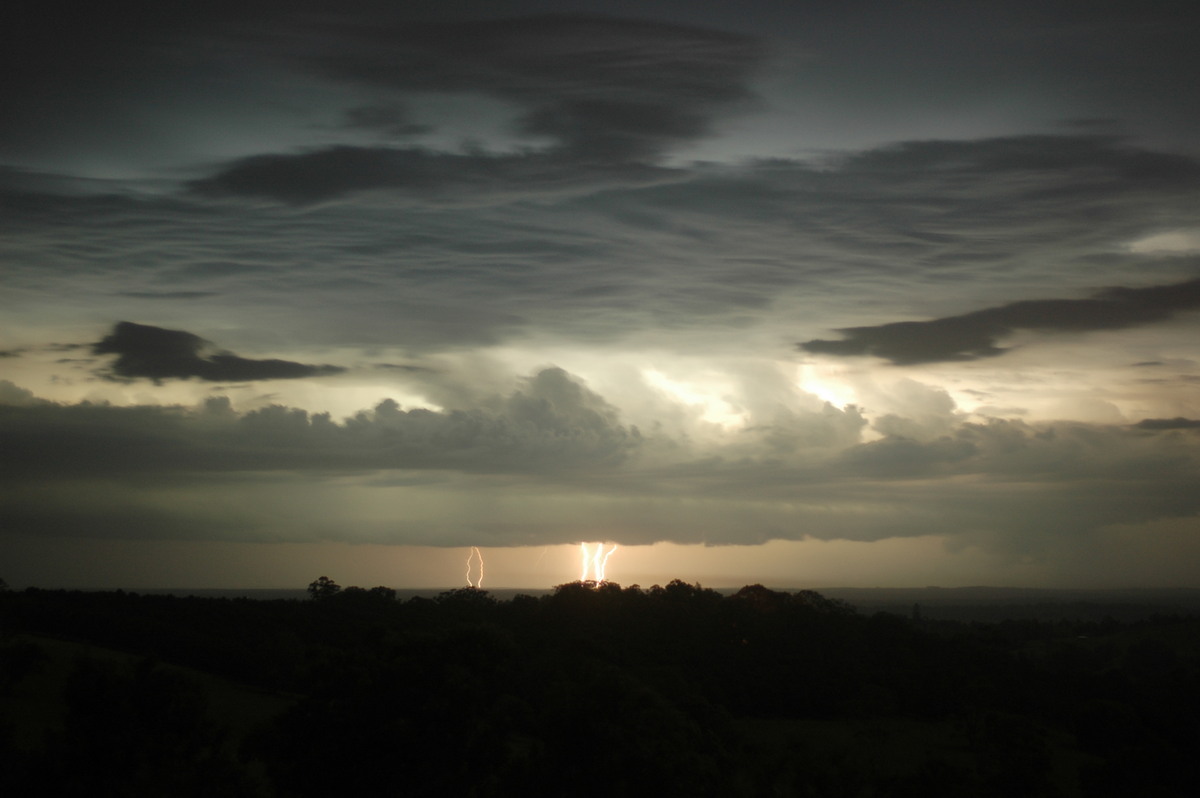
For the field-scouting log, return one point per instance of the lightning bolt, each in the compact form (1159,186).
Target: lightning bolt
(475,554)
(603,562)
(594,561)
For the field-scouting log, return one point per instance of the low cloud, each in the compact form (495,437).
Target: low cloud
(1168,423)
(554,449)
(976,335)
(603,87)
(167,294)
(599,100)
(155,353)
(389,120)
(456,178)
(404,367)
(699,247)
(16,396)
(550,423)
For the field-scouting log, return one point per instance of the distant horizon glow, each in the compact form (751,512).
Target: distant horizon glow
(793,565)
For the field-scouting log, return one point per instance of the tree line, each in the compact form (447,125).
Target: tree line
(594,689)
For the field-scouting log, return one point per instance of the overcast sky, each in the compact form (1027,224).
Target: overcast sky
(807,294)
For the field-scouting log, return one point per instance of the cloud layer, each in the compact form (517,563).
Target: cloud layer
(977,335)
(599,101)
(603,88)
(453,178)
(454,248)
(154,353)
(555,450)
(563,260)
(550,423)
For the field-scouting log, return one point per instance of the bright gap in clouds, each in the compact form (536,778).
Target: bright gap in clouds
(346,401)
(1175,241)
(703,394)
(823,383)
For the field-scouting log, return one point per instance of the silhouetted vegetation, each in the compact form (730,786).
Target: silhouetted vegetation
(591,690)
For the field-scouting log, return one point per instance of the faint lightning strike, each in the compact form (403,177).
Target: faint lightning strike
(475,554)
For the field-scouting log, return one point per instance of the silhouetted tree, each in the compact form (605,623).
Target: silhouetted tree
(323,588)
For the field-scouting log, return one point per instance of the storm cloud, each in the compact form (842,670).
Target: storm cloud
(549,423)
(1168,423)
(555,446)
(560,266)
(454,178)
(155,353)
(610,95)
(977,335)
(604,88)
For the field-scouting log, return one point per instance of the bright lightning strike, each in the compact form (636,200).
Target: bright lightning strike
(471,558)
(594,561)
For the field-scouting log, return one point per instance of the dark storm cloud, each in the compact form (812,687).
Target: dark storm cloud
(919,223)
(1092,123)
(167,294)
(53,54)
(1009,485)
(954,206)
(405,367)
(1016,190)
(1000,451)
(612,95)
(919,230)
(1092,161)
(976,335)
(606,88)
(1018,450)
(551,422)
(1168,423)
(391,120)
(155,353)
(560,447)
(333,172)
(17,396)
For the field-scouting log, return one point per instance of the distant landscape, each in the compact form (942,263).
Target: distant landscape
(953,603)
(674,689)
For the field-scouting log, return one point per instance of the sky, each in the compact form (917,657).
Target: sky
(798,293)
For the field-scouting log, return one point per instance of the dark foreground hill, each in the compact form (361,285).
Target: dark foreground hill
(590,690)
